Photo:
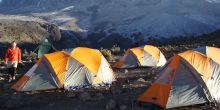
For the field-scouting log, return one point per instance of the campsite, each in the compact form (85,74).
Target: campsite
(122,95)
(109,55)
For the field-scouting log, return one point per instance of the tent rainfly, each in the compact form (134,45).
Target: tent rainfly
(147,55)
(67,69)
(188,78)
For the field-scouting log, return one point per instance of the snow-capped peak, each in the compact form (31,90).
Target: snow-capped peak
(161,18)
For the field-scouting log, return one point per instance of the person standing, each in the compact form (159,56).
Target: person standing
(12,58)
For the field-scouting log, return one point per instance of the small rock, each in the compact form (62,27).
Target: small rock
(99,96)
(85,96)
(206,107)
(110,105)
(3,79)
(126,71)
(71,94)
(116,89)
(127,81)
(148,74)
(203,107)
(153,72)
(122,107)
(35,92)
(51,104)
(141,80)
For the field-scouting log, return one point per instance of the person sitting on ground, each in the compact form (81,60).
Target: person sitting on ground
(12,58)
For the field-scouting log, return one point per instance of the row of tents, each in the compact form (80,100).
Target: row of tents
(188,78)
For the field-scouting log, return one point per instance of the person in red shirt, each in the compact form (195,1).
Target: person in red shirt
(12,58)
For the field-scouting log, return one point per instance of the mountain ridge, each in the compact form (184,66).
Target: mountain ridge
(152,18)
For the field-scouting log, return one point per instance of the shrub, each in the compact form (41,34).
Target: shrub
(115,49)
(25,54)
(106,52)
(33,55)
(29,56)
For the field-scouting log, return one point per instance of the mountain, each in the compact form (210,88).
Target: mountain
(133,20)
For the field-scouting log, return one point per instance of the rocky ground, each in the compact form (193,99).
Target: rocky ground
(121,95)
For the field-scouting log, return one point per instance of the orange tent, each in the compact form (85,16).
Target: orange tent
(142,56)
(67,69)
(211,52)
(188,78)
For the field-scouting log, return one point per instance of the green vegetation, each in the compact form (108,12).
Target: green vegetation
(115,49)
(31,56)
(106,52)
(110,53)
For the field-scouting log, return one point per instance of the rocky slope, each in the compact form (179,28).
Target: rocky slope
(26,33)
(29,32)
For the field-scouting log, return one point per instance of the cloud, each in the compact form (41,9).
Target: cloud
(213,1)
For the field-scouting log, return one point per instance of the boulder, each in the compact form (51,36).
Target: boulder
(84,96)
(123,107)
(71,94)
(116,89)
(99,96)
(111,105)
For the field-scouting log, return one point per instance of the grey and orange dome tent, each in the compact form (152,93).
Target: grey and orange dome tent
(147,55)
(189,78)
(211,52)
(67,69)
